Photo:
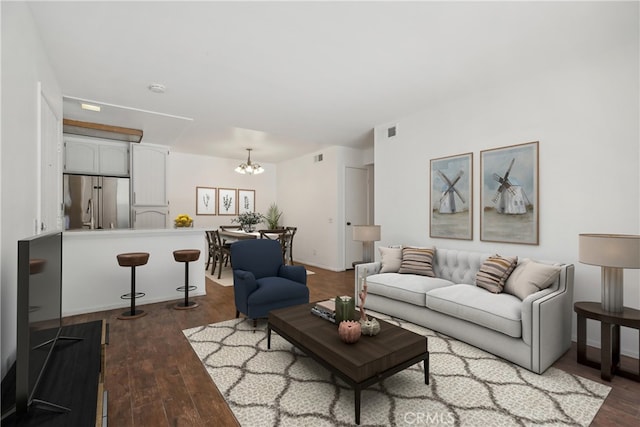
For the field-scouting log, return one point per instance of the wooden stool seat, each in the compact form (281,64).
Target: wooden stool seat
(133,260)
(186,256)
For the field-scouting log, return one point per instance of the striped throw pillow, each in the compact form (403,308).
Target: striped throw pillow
(494,272)
(417,261)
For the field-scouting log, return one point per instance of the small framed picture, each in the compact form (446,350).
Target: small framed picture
(205,201)
(509,194)
(227,203)
(246,201)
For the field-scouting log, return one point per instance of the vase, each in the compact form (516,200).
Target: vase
(349,331)
(345,309)
(249,228)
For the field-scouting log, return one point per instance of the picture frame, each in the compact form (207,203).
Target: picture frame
(509,200)
(227,202)
(451,197)
(246,201)
(206,200)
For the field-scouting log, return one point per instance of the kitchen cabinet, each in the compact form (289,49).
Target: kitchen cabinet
(92,156)
(149,175)
(150,217)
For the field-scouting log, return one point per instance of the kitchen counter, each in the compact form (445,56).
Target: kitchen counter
(92,280)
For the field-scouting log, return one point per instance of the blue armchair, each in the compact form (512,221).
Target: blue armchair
(261,282)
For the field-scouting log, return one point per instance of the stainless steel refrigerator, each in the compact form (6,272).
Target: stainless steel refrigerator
(96,202)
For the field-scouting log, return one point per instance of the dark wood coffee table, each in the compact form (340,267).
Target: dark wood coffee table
(362,364)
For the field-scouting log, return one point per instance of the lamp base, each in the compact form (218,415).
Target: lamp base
(612,289)
(367,252)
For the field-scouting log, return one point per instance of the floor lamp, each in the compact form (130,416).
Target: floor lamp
(367,234)
(612,252)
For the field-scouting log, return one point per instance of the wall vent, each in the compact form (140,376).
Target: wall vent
(391,132)
(317,158)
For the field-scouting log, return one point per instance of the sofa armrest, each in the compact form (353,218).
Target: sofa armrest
(546,321)
(363,270)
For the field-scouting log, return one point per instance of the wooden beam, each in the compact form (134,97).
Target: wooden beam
(99,130)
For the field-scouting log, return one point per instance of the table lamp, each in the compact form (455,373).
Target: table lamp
(612,252)
(367,234)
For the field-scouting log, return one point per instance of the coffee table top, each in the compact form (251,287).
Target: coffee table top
(366,358)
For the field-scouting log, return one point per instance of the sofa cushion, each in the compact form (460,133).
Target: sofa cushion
(494,272)
(390,258)
(404,287)
(530,277)
(500,312)
(417,261)
(458,266)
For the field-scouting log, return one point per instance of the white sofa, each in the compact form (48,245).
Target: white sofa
(533,332)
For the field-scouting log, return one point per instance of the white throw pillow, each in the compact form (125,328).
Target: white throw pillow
(530,277)
(391,258)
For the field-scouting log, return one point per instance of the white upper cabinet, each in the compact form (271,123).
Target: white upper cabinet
(149,166)
(95,156)
(114,159)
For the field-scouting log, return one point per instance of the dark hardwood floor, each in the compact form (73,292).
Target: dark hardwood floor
(155,379)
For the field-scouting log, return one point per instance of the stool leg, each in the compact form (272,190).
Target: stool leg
(186,304)
(133,291)
(132,313)
(186,284)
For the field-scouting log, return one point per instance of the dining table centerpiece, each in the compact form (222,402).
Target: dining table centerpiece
(249,220)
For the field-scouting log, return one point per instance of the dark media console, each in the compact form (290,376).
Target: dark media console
(74,379)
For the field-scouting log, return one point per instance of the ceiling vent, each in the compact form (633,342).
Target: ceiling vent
(391,132)
(97,130)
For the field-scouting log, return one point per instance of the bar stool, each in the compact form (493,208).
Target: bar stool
(186,256)
(133,260)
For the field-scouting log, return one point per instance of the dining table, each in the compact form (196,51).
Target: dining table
(243,235)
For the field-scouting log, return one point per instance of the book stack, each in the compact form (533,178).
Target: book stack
(326,310)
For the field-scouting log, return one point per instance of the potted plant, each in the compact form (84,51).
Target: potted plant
(272,217)
(248,220)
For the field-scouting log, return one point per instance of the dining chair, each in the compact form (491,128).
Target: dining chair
(279,234)
(288,243)
(219,252)
(212,249)
(231,227)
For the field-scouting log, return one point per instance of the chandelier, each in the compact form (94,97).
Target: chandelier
(249,168)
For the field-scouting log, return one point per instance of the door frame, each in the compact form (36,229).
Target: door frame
(347,263)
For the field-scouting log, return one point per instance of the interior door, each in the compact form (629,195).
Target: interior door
(356,211)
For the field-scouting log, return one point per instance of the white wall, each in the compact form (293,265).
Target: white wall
(188,171)
(311,195)
(24,63)
(585,113)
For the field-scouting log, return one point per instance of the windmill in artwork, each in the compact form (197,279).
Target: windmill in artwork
(449,192)
(510,198)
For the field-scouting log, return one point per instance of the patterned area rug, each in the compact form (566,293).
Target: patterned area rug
(468,387)
(226,276)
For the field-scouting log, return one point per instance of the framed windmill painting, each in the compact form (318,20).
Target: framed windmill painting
(451,200)
(509,194)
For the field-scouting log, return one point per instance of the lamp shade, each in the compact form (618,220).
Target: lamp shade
(366,233)
(610,250)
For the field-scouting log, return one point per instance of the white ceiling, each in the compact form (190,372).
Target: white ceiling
(288,78)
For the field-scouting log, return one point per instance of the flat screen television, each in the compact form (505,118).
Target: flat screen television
(39,313)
